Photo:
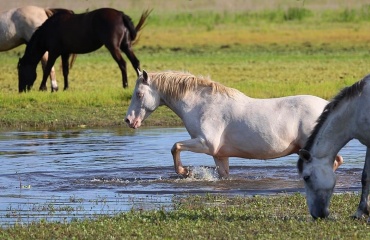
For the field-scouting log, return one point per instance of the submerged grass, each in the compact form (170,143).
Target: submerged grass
(212,217)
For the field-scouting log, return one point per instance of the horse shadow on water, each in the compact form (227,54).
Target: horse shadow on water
(17,26)
(223,122)
(66,33)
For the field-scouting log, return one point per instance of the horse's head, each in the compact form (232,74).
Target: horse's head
(26,75)
(145,99)
(319,181)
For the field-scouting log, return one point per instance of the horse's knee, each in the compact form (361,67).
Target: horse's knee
(175,148)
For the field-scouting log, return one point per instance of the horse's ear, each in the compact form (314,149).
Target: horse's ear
(139,72)
(305,155)
(145,77)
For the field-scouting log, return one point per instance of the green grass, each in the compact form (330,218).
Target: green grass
(282,48)
(212,217)
(283,14)
(96,96)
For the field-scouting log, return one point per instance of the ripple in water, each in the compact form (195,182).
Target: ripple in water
(127,167)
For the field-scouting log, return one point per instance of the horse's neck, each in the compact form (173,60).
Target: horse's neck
(184,104)
(33,54)
(335,132)
(180,106)
(194,104)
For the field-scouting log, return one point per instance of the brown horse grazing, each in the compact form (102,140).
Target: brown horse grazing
(80,33)
(17,26)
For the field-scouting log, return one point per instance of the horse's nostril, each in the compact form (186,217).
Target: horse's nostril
(127,121)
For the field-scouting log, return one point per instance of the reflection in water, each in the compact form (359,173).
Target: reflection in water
(87,172)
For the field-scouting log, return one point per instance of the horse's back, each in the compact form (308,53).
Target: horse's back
(306,106)
(101,20)
(84,32)
(28,19)
(18,25)
(8,29)
(287,122)
(310,102)
(105,15)
(298,104)
(260,128)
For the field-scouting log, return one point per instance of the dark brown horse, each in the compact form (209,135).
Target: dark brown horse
(17,26)
(64,34)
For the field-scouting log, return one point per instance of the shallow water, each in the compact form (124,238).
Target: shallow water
(83,173)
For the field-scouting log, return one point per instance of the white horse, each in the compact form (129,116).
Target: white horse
(346,117)
(17,26)
(223,122)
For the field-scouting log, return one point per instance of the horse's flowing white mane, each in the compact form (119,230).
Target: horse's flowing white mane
(177,84)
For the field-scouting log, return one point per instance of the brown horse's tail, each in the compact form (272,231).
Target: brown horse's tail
(140,25)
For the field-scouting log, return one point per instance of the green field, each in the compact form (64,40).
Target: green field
(265,53)
(264,49)
(212,217)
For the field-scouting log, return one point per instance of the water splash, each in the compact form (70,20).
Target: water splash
(204,174)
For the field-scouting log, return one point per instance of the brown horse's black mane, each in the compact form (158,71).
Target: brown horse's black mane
(345,93)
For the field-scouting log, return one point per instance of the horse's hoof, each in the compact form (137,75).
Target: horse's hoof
(188,173)
(359,215)
(185,172)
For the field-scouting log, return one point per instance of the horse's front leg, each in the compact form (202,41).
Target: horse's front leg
(53,79)
(365,181)
(46,72)
(65,66)
(194,145)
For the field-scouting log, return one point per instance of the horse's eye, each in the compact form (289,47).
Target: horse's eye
(306,178)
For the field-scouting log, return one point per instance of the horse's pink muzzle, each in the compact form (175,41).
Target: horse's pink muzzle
(136,123)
